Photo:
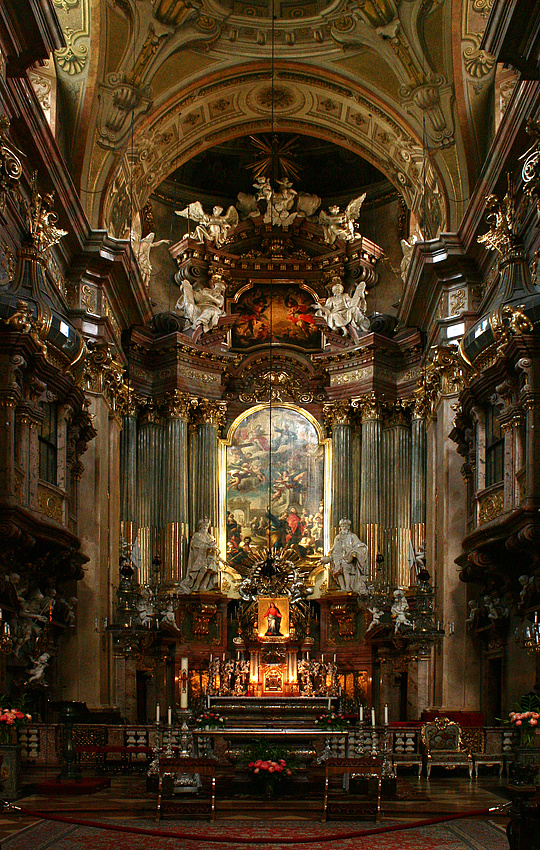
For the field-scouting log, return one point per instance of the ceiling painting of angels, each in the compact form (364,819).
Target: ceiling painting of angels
(275,484)
(282,314)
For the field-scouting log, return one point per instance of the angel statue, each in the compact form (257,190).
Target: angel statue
(341,311)
(142,247)
(216,227)
(340,225)
(202,307)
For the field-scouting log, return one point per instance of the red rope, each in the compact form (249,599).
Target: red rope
(189,836)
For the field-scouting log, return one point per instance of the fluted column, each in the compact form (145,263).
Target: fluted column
(176,500)
(150,488)
(128,475)
(370,475)
(338,420)
(418,477)
(211,415)
(396,456)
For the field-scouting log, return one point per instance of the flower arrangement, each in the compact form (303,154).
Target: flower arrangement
(526,719)
(211,719)
(331,720)
(10,718)
(269,764)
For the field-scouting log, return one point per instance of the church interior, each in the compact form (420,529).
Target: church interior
(269,396)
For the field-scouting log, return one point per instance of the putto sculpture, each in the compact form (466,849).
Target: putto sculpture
(340,225)
(342,311)
(215,227)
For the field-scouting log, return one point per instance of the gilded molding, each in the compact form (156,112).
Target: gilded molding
(177,405)
(443,375)
(50,504)
(490,507)
(371,406)
(211,412)
(504,221)
(10,165)
(530,173)
(41,219)
(102,374)
(337,413)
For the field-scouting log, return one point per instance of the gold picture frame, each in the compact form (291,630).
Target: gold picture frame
(273,618)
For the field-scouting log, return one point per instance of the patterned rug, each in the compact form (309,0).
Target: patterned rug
(466,834)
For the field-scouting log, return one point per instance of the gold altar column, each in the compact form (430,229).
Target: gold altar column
(370,474)
(211,418)
(175,485)
(337,416)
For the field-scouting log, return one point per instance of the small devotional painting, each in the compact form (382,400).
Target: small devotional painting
(281,314)
(273,617)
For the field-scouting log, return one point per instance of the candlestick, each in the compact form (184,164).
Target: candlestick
(329,703)
(373,717)
(169,716)
(157,712)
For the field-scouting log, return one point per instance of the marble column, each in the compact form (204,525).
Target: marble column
(338,420)
(418,478)
(211,416)
(396,477)
(176,496)
(150,489)
(370,475)
(128,473)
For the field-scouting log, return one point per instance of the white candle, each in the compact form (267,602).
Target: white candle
(322,658)
(157,713)
(373,717)
(361,714)
(329,703)
(385,714)
(183,683)
(211,656)
(335,657)
(224,656)
(208,700)
(169,716)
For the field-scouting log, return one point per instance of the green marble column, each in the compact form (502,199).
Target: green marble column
(128,476)
(396,477)
(338,420)
(176,498)
(150,487)
(211,416)
(418,480)
(370,476)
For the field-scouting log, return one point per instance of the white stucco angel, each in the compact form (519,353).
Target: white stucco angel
(340,225)
(215,227)
(376,616)
(400,610)
(342,311)
(203,561)
(142,247)
(37,672)
(348,559)
(407,246)
(202,307)
(279,211)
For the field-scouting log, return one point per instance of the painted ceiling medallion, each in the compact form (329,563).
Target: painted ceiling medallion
(276,97)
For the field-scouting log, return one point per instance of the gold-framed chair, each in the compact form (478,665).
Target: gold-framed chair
(199,805)
(443,746)
(367,766)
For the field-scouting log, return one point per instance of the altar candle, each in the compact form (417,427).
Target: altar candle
(335,657)
(322,658)
(183,683)
(385,714)
(361,714)
(208,700)
(211,656)
(169,716)
(157,713)
(373,717)
(224,656)
(329,703)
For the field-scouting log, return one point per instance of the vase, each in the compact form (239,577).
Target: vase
(10,771)
(524,769)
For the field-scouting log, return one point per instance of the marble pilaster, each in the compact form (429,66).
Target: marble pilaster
(211,419)
(176,498)
(370,476)
(338,420)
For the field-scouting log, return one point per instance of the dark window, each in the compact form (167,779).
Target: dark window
(47,444)
(494,448)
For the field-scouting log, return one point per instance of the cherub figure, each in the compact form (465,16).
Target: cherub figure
(202,307)
(37,672)
(376,614)
(340,225)
(400,610)
(214,228)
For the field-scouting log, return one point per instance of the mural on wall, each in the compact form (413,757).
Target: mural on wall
(281,314)
(275,481)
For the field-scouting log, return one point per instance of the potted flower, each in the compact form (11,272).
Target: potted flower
(332,721)
(11,718)
(269,765)
(209,720)
(525,721)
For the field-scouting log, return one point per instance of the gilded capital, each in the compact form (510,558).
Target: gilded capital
(177,405)
(443,375)
(337,413)
(369,405)
(212,412)
(104,375)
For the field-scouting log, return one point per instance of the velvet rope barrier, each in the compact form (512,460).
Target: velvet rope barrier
(225,839)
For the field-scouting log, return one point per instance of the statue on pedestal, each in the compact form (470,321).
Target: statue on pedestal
(203,561)
(341,310)
(348,560)
(400,610)
(203,307)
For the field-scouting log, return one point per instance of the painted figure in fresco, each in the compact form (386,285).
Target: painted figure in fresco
(203,307)
(273,617)
(203,561)
(348,559)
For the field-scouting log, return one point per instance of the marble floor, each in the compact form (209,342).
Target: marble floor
(127,798)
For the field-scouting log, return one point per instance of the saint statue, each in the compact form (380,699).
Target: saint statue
(273,617)
(348,560)
(203,561)
(202,307)
(341,311)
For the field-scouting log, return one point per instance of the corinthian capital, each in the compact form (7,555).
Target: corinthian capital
(370,406)
(177,405)
(337,413)
(212,412)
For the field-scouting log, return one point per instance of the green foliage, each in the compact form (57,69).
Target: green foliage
(264,749)
(530,702)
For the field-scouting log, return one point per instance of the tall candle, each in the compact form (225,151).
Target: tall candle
(157,712)
(385,714)
(329,703)
(169,716)
(184,683)
(373,717)
(361,714)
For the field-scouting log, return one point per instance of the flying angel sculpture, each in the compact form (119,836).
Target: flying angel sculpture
(340,225)
(215,227)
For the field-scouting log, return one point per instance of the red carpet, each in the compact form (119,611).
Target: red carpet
(466,834)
